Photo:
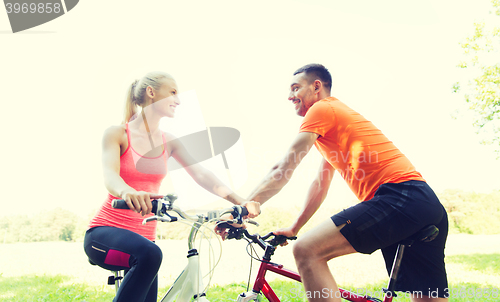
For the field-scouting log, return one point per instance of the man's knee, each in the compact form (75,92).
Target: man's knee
(299,250)
(302,251)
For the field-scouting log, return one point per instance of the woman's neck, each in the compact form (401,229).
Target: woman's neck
(147,123)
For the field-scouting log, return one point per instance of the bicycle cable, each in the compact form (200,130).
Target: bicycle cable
(250,270)
(199,226)
(253,249)
(211,253)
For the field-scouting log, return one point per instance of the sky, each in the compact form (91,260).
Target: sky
(64,82)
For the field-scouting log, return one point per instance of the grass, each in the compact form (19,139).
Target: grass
(49,288)
(59,288)
(473,270)
(485,263)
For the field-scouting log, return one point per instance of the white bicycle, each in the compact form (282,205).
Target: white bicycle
(189,284)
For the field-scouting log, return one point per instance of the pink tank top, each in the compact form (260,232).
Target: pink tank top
(143,174)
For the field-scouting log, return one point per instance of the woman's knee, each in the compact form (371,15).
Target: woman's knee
(150,255)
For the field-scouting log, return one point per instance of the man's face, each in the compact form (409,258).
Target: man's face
(301,93)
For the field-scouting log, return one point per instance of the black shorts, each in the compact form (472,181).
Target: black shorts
(396,212)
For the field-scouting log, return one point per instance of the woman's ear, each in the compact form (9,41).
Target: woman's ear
(150,92)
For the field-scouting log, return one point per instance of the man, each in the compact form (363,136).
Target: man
(396,200)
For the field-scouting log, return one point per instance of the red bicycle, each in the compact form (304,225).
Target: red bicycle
(269,243)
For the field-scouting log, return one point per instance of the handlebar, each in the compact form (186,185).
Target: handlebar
(161,206)
(262,241)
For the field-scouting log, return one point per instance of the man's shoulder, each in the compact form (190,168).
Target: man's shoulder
(324,106)
(327,102)
(333,103)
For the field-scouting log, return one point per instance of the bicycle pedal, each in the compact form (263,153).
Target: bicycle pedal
(201,295)
(390,292)
(112,279)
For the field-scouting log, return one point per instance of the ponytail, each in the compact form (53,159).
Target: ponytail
(137,91)
(130,103)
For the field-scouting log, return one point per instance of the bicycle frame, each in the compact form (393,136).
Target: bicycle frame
(261,286)
(189,284)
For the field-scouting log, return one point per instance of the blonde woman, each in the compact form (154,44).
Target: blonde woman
(133,170)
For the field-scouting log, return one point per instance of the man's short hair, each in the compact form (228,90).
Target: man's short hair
(315,72)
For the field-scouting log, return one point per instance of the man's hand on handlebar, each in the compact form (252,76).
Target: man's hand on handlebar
(288,232)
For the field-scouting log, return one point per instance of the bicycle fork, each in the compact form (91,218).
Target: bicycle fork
(189,284)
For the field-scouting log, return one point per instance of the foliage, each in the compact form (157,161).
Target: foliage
(174,231)
(483,92)
(58,224)
(272,219)
(472,213)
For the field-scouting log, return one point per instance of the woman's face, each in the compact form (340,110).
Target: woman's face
(165,99)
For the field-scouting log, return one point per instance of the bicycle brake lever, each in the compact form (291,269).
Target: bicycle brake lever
(255,223)
(165,219)
(152,218)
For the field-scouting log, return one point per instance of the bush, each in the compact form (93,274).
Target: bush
(472,213)
(58,224)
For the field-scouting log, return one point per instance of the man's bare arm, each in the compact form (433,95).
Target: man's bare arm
(281,173)
(315,196)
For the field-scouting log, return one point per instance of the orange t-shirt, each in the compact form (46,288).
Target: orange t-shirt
(356,148)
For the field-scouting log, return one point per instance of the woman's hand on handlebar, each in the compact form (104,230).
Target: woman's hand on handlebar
(140,201)
(222,231)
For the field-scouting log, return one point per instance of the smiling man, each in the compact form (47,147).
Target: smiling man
(396,201)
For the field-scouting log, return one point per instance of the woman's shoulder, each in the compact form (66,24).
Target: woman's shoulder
(171,141)
(115,131)
(169,136)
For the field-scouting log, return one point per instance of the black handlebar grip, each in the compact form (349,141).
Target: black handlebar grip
(244,211)
(119,204)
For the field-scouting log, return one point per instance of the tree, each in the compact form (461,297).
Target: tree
(482,93)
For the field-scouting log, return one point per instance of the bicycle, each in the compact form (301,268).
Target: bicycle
(269,242)
(189,284)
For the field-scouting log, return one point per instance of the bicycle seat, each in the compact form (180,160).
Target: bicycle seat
(91,262)
(427,234)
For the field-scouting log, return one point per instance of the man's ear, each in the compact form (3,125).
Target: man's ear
(317,86)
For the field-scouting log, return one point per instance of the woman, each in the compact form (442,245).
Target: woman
(133,171)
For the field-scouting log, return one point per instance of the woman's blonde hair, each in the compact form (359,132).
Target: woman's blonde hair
(137,91)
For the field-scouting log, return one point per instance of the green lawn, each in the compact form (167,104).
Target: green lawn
(60,289)
(472,276)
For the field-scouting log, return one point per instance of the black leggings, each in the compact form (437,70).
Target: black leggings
(119,249)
